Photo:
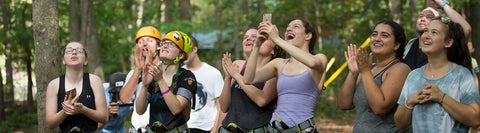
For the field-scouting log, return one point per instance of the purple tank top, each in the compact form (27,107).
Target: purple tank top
(297,96)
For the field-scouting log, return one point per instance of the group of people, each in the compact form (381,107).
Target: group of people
(427,84)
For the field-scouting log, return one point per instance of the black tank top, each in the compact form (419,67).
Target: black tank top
(87,98)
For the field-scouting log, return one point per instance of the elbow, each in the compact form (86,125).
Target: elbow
(247,82)
(262,103)
(344,107)
(400,126)
(50,126)
(476,123)
(104,120)
(380,111)
(124,100)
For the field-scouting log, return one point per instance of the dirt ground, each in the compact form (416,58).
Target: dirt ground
(334,126)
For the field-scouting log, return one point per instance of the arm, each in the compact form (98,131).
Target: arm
(403,115)
(383,98)
(52,117)
(128,89)
(176,103)
(225,97)
(266,95)
(141,102)
(347,90)
(99,114)
(219,119)
(251,74)
(456,17)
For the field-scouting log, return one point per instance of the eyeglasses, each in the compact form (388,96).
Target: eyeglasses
(78,50)
(168,44)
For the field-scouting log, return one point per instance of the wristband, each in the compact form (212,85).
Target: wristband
(444,2)
(406,106)
(443,97)
(166,91)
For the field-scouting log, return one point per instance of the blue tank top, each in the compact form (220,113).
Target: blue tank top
(297,97)
(87,98)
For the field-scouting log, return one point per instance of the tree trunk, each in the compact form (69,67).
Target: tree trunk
(474,20)
(261,6)
(5,17)
(88,38)
(185,11)
(169,9)
(236,42)
(30,104)
(74,22)
(47,50)
(413,19)
(396,10)
(7,51)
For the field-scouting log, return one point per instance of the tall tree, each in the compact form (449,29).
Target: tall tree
(6,22)
(185,10)
(474,19)
(88,37)
(396,10)
(74,20)
(47,50)
(9,97)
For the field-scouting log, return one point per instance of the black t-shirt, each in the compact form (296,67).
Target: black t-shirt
(158,107)
(415,58)
(87,98)
(244,112)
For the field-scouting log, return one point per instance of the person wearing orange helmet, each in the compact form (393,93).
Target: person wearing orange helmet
(168,88)
(147,41)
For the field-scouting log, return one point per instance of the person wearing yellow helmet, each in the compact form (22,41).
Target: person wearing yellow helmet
(147,42)
(169,88)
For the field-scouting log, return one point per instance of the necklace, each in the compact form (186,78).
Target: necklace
(432,73)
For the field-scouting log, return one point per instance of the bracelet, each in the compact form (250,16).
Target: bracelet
(444,2)
(166,91)
(443,97)
(406,106)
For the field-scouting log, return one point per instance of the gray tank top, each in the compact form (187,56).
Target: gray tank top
(365,120)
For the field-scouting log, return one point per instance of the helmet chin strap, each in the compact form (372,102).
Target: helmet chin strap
(176,61)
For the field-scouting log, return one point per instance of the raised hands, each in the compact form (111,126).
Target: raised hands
(267,29)
(139,58)
(351,57)
(147,76)
(364,60)
(230,68)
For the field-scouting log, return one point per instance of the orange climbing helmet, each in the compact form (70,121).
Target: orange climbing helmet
(181,39)
(148,31)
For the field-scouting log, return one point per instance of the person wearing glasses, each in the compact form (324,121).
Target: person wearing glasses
(82,110)
(442,95)
(413,55)
(168,88)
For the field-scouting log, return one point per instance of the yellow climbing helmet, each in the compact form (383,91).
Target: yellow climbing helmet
(182,40)
(148,31)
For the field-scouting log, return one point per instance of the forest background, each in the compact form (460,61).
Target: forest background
(33,34)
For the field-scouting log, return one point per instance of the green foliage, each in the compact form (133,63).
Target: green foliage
(19,120)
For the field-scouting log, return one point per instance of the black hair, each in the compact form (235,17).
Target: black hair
(458,52)
(309,28)
(399,34)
